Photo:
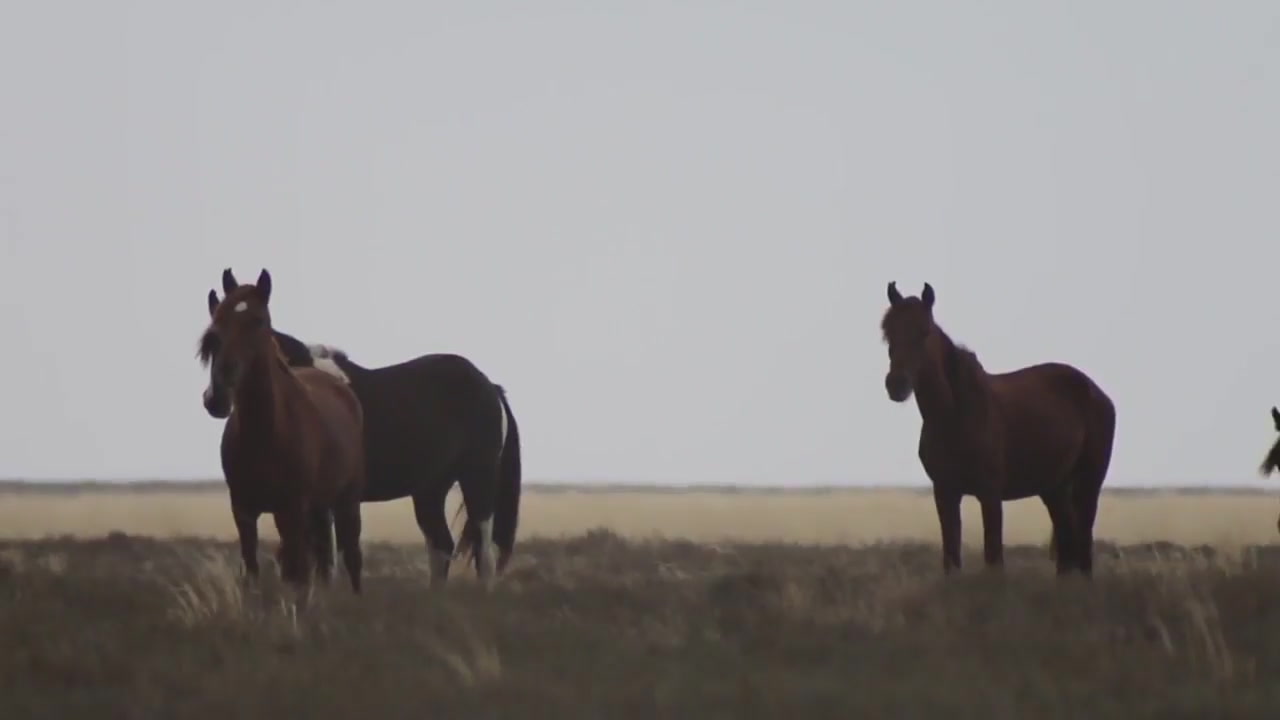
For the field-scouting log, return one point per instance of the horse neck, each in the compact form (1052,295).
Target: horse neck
(259,398)
(936,398)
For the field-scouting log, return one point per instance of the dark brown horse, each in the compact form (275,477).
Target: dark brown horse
(1272,461)
(429,422)
(1044,430)
(293,447)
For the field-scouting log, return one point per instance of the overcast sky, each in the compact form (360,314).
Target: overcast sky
(665,227)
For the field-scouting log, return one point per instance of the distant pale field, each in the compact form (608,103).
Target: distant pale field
(824,517)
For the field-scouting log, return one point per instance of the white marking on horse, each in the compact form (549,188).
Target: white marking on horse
(502,411)
(488,562)
(241,306)
(322,357)
(438,564)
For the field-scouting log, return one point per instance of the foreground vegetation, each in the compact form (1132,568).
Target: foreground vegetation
(597,626)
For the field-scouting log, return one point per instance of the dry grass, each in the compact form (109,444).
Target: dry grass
(599,626)
(820,517)
(595,624)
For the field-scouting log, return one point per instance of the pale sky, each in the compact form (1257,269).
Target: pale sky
(665,227)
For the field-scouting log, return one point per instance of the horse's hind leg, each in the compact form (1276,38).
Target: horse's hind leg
(346,521)
(1089,474)
(321,536)
(479,493)
(428,509)
(1062,515)
(1085,494)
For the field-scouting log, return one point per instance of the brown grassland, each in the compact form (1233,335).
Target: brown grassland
(649,604)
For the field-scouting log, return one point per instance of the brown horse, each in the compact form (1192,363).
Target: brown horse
(292,447)
(1272,461)
(1043,430)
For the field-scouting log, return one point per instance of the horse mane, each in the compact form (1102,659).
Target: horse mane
(884,324)
(206,346)
(281,358)
(965,375)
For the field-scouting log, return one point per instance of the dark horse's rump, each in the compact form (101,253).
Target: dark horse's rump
(1045,430)
(430,422)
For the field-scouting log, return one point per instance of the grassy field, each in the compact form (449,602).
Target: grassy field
(804,516)
(720,605)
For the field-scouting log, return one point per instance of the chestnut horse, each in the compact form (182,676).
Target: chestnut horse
(1044,430)
(1272,461)
(293,447)
(429,422)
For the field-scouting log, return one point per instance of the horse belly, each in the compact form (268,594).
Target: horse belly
(402,450)
(953,467)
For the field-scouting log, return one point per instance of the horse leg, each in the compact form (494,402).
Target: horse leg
(1063,548)
(247,529)
(346,521)
(295,553)
(948,505)
(428,509)
(1084,498)
(993,531)
(479,493)
(321,536)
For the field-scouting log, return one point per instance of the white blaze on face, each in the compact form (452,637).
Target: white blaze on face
(322,357)
(241,306)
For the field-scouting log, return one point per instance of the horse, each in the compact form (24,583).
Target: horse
(428,422)
(1272,461)
(1045,430)
(294,446)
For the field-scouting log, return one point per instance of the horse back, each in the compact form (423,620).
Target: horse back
(1053,415)
(1051,388)
(436,405)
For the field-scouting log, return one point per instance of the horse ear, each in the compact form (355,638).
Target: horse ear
(927,296)
(264,285)
(895,297)
(229,282)
(1275,416)
(213,301)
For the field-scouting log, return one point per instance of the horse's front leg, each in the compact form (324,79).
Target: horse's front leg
(948,505)
(992,531)
(247,529)
(321,539)
(295,551)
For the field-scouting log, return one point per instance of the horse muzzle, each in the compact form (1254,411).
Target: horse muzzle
(217,407)
(898,387)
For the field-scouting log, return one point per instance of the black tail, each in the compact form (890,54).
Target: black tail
(506,510)
(506,513)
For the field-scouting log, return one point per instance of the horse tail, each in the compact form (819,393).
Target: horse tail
(506,510)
